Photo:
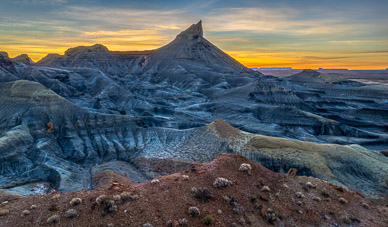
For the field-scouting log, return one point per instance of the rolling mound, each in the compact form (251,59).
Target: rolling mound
(258,197)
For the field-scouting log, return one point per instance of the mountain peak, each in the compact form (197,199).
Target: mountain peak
(193,32)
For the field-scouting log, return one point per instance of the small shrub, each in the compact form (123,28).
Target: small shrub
(325,194)
(208,220)
(25,213)
(147,225)
(309,185)
(4,212)
(135,197)
(194,212)
(53,219)
(299,195)
(117,198)
(71,213)
(185,177)
(75,201)
(253,198)
(299,203)
(342,200)
(107,203)
(221,183)
(182,222)
(246,168)
(155,182)
(125,197)
(270,215)
(33,207)
(53,207)
(202,194)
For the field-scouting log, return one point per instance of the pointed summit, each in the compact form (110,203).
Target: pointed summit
(190,48)
(193,32)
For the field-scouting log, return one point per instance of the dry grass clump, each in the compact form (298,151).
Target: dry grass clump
(208,220)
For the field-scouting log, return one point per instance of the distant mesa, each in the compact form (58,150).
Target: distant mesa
(82,49)
(273,68)
(24,58)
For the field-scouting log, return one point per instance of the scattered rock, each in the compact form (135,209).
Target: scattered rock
(265,189)
(185,177)
(4,212)
(342,200)
(53,219)
(71,213)
(33,207)
(317,199)
(147,225)
(25,213)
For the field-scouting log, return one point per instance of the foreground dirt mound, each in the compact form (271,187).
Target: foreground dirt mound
(220,193)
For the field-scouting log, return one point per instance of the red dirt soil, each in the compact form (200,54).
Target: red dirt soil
(171,198)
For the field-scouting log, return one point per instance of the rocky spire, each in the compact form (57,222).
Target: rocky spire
(193,32)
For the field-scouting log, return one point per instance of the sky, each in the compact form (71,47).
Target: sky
(349,34)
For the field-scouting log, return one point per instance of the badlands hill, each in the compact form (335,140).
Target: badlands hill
(70,122)
(247,195)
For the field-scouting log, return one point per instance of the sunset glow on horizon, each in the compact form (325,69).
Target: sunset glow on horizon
(297,34)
